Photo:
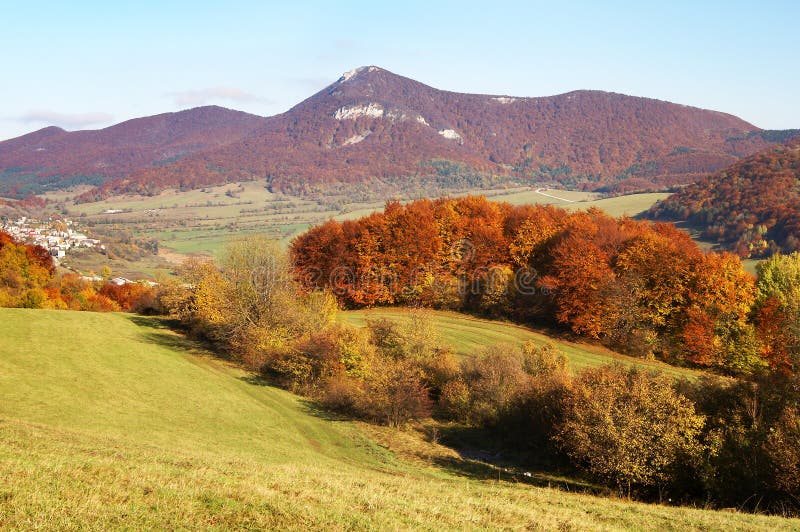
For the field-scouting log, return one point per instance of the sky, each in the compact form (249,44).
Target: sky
(89,64)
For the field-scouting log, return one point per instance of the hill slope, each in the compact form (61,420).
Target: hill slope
(108,420)
(468,335)
(375,126)
(372,124)
(53,158)
(752,207)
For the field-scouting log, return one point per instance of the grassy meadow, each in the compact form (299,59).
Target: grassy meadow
(630,205)
(114,421)
(467,335)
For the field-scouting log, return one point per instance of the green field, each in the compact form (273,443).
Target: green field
(532,197)
(468,335)
(113,421)
(629,205)
(205,221)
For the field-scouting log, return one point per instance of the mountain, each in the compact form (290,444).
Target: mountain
(53,158)
(752,207)
(374,126)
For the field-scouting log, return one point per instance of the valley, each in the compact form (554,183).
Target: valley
(204,221)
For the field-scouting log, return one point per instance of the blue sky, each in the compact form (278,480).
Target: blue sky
(88,64)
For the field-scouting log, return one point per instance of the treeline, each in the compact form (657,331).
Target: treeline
(28,202)
(715,441)
(641,288)
(28,279)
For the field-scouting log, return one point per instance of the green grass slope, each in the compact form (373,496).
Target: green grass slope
(629,205)
(112,421)
(468,335)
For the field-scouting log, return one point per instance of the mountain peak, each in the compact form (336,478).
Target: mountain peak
(372,122)
(350,74)
(51,129)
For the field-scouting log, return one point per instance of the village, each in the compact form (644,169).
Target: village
(56,236)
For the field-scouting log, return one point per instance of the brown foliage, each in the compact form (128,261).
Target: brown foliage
(783,448)
(629,428)
(751,207)
(395,393)
(135,297)
(642,288)
(587,138)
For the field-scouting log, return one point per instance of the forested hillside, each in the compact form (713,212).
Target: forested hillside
(52,158)
(373,125)
(752,207)
(375,128)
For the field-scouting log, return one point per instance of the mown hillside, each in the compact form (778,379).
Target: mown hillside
(469,336)
(113,421)
(752,207)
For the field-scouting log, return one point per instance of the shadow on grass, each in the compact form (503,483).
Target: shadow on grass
(258,380)
(315,409)
(483,456)
(309,406)
(509,473)
(174,342)
(154,322)
(168,333)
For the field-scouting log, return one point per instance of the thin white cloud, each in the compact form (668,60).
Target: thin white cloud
(69,120)
(203,96)
(344,44)
(313,83)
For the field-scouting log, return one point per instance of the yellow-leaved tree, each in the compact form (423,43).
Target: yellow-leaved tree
(629,428)
(248,304)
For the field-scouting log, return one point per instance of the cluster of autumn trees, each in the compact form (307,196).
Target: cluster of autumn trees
(752,208)
(712,440)
(731,442)
(28,202)
(28,279)
(641,288)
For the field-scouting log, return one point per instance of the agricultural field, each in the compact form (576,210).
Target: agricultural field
(543,196)
(91,263)
(468,335)
(115,421)
(204,221)
(630,205)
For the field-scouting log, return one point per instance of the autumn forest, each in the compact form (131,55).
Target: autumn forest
(642,288)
